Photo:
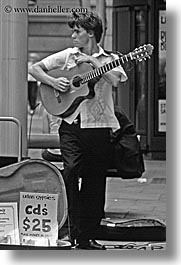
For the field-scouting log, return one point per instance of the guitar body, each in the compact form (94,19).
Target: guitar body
(64,103)
(33,175)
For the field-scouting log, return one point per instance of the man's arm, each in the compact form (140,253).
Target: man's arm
(39,72)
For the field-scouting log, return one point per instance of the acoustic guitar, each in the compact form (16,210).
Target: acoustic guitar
(82,81)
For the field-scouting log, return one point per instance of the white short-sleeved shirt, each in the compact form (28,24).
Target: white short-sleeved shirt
(97,112)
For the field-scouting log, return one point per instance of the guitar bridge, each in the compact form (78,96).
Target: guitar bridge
(58,97)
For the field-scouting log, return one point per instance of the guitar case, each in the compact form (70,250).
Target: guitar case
(33,175)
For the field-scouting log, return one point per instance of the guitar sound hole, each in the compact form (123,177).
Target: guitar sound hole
(77,81)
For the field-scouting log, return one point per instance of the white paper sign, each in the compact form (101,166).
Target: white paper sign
(38,219)
(9,232)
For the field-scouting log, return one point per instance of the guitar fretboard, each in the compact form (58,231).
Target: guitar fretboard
(106,68)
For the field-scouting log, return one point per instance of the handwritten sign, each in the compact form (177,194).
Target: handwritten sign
(38,219)
(9,232)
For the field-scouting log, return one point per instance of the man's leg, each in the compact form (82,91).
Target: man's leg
(71,157)
(92,193)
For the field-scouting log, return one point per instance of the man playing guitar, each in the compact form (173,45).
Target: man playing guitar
(84,133)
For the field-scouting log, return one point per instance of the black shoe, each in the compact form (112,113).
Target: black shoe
(90,245)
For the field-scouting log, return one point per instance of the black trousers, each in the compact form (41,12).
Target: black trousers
(85,153)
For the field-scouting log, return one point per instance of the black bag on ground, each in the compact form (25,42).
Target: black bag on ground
(127,156)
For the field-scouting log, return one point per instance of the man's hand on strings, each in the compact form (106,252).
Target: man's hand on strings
(61,84)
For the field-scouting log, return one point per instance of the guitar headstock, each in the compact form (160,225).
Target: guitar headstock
(143,52)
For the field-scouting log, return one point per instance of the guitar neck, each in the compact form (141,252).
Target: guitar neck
(138,54)
(106,68)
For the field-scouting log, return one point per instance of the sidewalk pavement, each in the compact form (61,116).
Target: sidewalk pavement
(139,198)
(136,199)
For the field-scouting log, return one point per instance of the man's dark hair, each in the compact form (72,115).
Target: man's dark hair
(89,21)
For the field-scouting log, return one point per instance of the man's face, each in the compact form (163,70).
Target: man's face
(80,37)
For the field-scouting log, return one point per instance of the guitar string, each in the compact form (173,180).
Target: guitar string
(101,70)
